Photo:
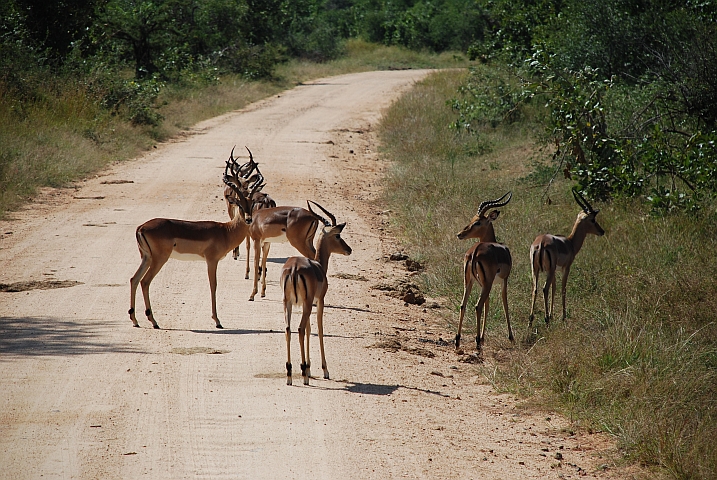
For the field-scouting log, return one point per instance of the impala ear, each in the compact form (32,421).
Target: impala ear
(494,214)
(334,229)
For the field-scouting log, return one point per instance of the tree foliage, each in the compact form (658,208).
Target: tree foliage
(631,141)
(630,85)
(630,88)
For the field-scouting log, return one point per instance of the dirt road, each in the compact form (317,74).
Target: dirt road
(83,395)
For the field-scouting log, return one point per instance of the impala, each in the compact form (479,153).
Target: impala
(304,283)
(277,225)
(259,199)
(160,239)
(548,252)
(483,262)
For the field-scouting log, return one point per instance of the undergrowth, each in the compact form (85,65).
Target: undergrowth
(637,355)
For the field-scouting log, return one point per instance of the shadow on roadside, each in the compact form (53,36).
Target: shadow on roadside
(47,336)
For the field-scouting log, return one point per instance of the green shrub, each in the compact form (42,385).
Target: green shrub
(488,98)
(631,142)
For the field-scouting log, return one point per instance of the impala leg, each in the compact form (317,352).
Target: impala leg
(248,247)
(566,272)
(287,317)
(549,280)
(212,272)
(257,257)
(532,302)
(230,210)
(320,325)
(307,330)
(505,308)
(264,255)
(552,295)
(480,327)
(467,287)
(535,273)
(302,333)
(154,268)
(133,283)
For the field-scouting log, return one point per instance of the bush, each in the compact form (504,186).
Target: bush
(488,98)
(631,142)
(133,99)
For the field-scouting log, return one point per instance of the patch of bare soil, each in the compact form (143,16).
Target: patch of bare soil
(197,350)
(37,285)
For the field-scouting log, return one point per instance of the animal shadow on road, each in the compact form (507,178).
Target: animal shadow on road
(240,331)
(378,389)
(227,331)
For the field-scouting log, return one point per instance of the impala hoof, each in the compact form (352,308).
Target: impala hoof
(219,325)
(155,326)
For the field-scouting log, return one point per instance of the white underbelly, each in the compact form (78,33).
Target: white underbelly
(280,239)
(187,257)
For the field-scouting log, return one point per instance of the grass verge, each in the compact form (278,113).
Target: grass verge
(61,132)
(637,356)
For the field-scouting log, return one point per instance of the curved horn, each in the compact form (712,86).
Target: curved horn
(328,214)
(326,222)
(229,181)
(258,184)
(230,162)
(498,202)
(584,204)
(251,157)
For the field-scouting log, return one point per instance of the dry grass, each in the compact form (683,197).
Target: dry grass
(637,356)
(56,139)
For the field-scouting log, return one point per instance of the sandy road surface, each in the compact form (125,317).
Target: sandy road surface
(84,395)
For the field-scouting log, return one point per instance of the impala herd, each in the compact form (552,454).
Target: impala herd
(255,218)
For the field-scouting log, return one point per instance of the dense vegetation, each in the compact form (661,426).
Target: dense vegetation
(629,88)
